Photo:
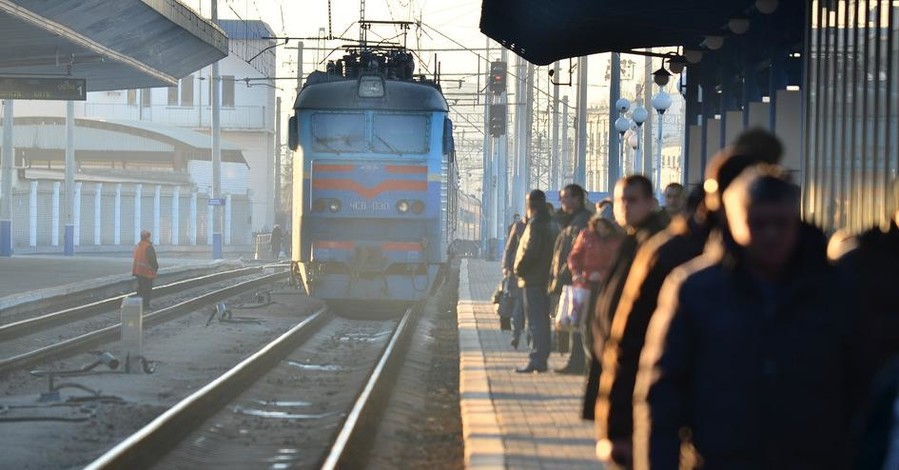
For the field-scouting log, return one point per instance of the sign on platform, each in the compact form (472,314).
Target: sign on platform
(62,89)
(217,201)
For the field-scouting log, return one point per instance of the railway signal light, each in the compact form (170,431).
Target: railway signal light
(497,77)
(497,121)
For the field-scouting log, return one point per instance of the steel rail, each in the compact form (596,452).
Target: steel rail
(352,436)
(113,332)
(156,439)
(61,317)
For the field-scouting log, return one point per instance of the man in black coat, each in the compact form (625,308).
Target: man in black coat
(634,208)
(572,218)
(684,239)
(518,320)
(871,267)
(748,358)
(532,262)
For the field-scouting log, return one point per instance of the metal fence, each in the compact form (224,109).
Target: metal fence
(124,209)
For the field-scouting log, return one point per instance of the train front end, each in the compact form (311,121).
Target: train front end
(370,188)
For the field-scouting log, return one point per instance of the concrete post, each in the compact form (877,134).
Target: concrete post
(209,215)
(132,332)
(98,214)
(227,210)
(176,215)
(157,213)
(32,215)
(76,211)
(54,214)
(117,216)
(138,194)
(192,218)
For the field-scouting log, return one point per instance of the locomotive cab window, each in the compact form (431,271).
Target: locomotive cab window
(338,132)
(401,133)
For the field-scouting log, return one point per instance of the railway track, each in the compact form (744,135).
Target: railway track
(282,407)
(112,330)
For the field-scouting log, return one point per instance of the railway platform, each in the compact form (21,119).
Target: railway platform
(512,420)
(30,278)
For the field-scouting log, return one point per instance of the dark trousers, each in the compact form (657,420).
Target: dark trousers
(518,320)
(577,357)
(536,309)
(145,290)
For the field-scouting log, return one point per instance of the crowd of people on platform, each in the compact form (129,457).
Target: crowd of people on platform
(721,331)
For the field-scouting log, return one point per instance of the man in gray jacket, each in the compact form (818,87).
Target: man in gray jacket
(532,263)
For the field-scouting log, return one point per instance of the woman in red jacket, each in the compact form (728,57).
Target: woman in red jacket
(594,250)
(591,257)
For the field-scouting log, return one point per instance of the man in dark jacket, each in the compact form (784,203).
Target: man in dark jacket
(684,240)
(532,262)
(572,218)
(872,267)
(515,232)
(747,359)
(634,208)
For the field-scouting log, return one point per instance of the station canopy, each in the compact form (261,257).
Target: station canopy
(545,31)
(114,45)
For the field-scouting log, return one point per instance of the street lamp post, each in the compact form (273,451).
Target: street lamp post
(639,115)
(660,102)
(622,124)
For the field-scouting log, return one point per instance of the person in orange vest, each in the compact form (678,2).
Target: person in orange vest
(145,267)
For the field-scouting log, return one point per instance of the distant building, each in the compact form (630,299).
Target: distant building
(154,143)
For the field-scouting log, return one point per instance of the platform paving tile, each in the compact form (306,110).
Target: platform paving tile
(511,420)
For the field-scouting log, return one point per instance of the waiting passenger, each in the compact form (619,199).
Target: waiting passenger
(675,200)
(572,219)
(532,262)
(747,359)
(518,319)
(684,239)
(634,208)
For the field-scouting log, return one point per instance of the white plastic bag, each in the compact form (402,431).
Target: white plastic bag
(580,301)
(563,309)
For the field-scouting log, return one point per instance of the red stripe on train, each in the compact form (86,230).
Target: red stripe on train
(368,193)
(323,167)
(407,169)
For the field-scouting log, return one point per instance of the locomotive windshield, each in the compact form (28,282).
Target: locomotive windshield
(401,133)
(391,133)
(339,132)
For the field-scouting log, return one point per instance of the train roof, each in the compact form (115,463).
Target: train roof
(404,95)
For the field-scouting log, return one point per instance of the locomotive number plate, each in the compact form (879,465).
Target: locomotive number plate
(368,205)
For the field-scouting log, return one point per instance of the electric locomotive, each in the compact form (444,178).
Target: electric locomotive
(373,180)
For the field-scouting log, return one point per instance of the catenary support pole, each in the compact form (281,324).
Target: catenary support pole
(216,153)
(6,168)
(580,168)
(614,94)
(69,206)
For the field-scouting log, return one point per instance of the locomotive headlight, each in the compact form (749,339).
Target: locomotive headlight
(334,205)
(402,206)
(418,207)
(371,86)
